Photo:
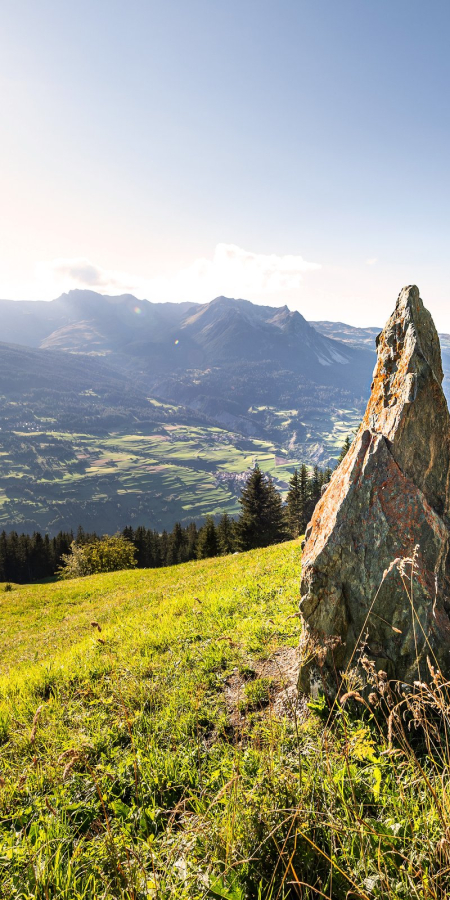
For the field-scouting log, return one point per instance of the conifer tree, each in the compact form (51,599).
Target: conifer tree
(153,549)
(225,535)
(163,546)
(191,541)
(295,505)
(277,530)
(261,521)
(314,487)
(175,545)
(139,539)
(14,570)
(37,567)
(3,556)
(304,494)
(81,535)
(345,448)
(60,544)
(207,540)
(128,533)
(316,484)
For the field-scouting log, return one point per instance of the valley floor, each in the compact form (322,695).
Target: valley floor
(52,480)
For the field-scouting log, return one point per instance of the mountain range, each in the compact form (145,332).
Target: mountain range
(86,374)
(178,336)
(219,359)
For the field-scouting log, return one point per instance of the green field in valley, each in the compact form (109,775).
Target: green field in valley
(52,480)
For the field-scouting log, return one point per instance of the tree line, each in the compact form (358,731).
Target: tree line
(264,519)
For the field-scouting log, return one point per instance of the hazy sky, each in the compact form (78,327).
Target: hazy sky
(292,151)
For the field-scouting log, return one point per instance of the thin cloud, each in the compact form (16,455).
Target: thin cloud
(80,272)
(231,271)
(372,261)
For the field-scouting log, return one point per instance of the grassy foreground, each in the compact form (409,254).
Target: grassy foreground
(153,745)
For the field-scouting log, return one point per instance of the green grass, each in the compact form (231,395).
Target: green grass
(152,744)
(45,620)
(142,701)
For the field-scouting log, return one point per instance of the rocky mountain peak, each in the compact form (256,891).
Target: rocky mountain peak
(407,404)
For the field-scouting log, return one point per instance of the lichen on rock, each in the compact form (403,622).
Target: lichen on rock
(388,501)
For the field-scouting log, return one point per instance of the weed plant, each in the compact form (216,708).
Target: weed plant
(131,770)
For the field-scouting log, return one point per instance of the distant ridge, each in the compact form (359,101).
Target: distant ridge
(178,335)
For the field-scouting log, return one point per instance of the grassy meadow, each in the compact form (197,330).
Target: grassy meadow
(153,745)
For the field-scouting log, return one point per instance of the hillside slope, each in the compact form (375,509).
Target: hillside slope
(141,706)
(153,745)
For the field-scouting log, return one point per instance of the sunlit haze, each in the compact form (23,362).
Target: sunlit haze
(289,153)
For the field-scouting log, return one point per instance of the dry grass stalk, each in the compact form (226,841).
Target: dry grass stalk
(35,722)
(351,695)
(69,766)
(50,807)
(72,756)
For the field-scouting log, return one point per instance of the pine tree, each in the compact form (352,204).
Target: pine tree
(207,540)
(294,505)
(277,530)
(175,545)
(60,544)
(345,448)
(304,494)
(153,549)
(139,539)
(314,487)
(225,535)
(14,567)
(192,539)
(37,559)
(3,556)
(81,535)
(48,556)
(163,547)
(261,522)
(316,484)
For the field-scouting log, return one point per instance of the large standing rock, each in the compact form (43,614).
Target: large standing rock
(388,500)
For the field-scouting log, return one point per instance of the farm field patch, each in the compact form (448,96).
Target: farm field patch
(57,479)
(53,480)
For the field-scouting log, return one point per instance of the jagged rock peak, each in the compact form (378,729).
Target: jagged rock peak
(389,496)
(407,404)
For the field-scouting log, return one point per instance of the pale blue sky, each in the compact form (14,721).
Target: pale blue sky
(186,148)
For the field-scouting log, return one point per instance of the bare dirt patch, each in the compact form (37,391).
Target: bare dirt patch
(280,673)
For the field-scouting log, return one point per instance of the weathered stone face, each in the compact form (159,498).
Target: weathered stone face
(390,495)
